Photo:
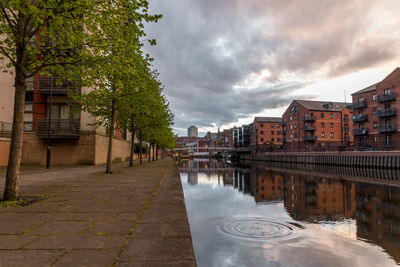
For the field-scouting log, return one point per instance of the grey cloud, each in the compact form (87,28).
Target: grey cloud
(207,48)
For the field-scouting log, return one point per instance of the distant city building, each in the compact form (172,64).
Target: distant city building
(193,131)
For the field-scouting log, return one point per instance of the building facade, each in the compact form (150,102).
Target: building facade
(192,131)
(266,134)
(317,126)
(375,115)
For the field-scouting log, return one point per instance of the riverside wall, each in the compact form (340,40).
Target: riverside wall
(375,159)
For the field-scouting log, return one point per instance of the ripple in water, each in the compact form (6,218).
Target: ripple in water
(259,229)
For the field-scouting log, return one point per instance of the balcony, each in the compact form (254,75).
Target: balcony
(359,104)
(387,128)
(59,128)
(389,112)
(46,85)
(360,118)
(309,128)
(282,132)
(386,97)
(388,144)
(309,118)
(360,131)
(346,129)
(346,119)
(310,138)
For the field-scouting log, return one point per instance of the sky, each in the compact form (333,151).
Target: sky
(223,62)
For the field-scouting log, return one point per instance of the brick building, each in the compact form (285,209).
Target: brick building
(375,115)
(316,126)
(266,133)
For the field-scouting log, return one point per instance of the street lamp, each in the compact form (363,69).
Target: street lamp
(49,125)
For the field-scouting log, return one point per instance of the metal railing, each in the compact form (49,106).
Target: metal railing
(386,128)
(388,112)
(388,144)
(309,118)
(360,117)
(359,104)
(309,128)
(55,85)
(309,138)
(360,131)
(58,128)
(386,97)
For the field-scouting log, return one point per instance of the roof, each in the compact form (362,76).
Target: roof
(267,119)
(322,105)
(366,89)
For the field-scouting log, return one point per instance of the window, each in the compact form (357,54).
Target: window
(387,91)
(272,125)
(330,115)
(262,139)
(374,111)
(322,124)
(374,97)
(272,132)
(262,132)
(262,125)
(28,117)
(291,118)
(332,135)
(295,135)
(272,139)
(331,124)
(375,139)
(375,125)
(291,127)
(360,99)
(337,115)
(322,134)
(295,126)
(322,115)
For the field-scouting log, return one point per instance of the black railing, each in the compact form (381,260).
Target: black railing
(55,85)
(388,112)
(59,128)
(309,128)
(386,97)
(359,104)
(309,138)
(309,118)
(387,128)
(360,117)
(360,131)
(388,144)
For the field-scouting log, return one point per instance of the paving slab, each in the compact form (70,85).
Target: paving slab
(133,217)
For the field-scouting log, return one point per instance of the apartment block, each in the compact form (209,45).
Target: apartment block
(375,115)
(316,126)
(49,120)
(266,133)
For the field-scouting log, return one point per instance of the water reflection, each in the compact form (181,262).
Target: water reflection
(359,211)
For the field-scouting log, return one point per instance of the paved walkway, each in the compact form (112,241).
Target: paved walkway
(133,217)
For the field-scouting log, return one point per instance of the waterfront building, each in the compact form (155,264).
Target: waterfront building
(48,118)
(192,131)
(375,115)
(266,134)
(317,126)
(241,136)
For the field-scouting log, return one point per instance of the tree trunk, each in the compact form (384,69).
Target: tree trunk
(149,159)
(110,138)
(153,152)
(157,152)
(132,146)
(140,147)
(14,158)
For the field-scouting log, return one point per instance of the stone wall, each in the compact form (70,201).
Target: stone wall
(121,149)
(4,151)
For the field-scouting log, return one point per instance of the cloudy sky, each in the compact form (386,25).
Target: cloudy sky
(225,61)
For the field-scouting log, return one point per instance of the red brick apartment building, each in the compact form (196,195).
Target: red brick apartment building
(375,115)
(266,133)
(316,126)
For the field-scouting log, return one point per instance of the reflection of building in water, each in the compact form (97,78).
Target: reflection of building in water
(378,216)
(267,185)
(193,177)
(242,181)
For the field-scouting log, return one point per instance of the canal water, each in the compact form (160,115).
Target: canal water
(277,215)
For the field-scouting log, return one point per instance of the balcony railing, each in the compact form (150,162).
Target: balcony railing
(360,131)
(58,128)
(309,138)
(53,84)
(388,144)
(346,129)
(359,104)
(360,117)
(309,118)
(387,128)
(309,128)
(386,97)
(389,112)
